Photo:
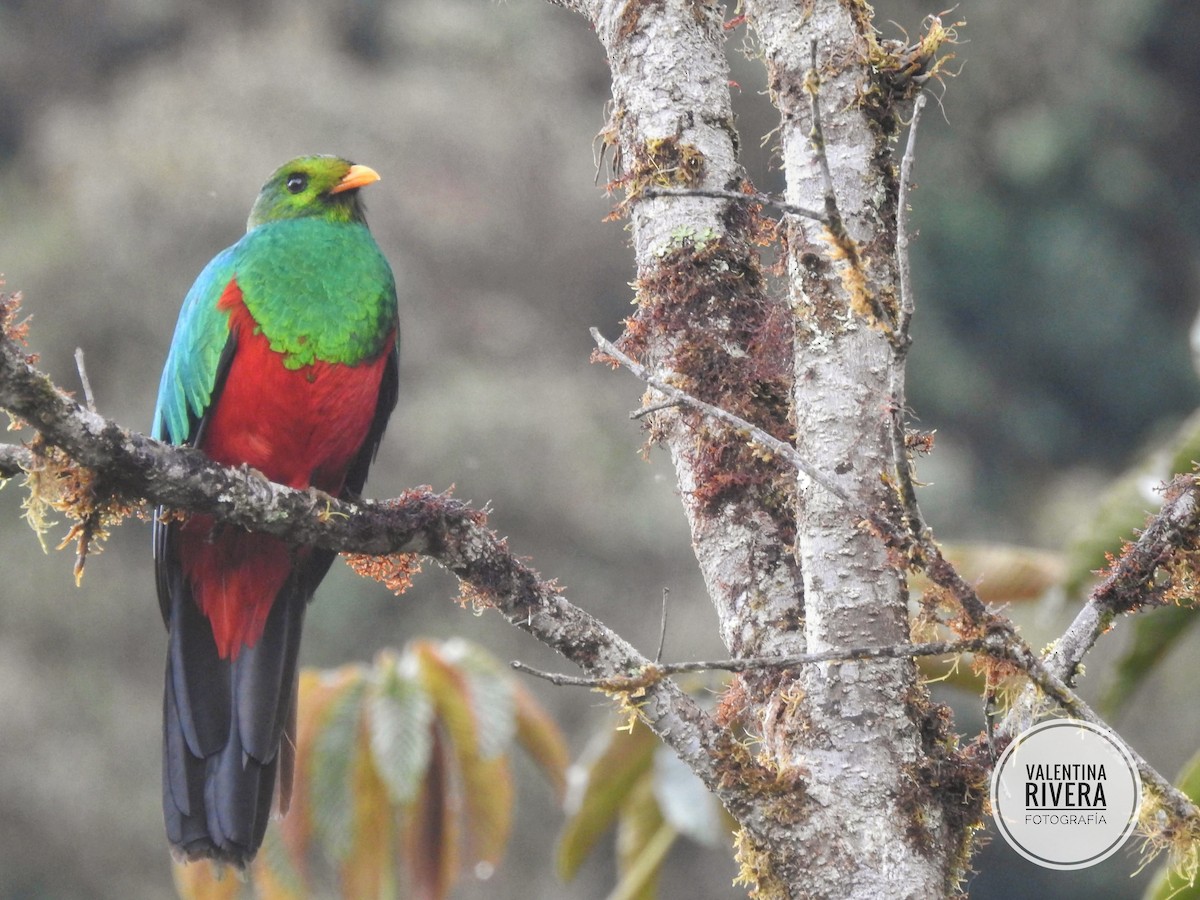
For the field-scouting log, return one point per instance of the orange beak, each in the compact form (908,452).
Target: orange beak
(358,176)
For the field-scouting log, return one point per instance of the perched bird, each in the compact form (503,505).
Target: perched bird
(285,360)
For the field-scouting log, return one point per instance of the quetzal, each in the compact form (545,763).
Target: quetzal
(284,360)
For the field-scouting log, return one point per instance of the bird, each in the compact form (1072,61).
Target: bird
(284,360)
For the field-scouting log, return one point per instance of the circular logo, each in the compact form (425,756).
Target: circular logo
(1065,794)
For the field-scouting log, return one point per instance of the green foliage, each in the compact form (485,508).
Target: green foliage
(1154,634)
(402,773)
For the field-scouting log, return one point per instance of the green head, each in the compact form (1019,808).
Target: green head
(324,187)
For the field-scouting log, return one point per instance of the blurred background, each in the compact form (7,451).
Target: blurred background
(1056,265)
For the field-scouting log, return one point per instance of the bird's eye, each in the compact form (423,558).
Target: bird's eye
(296,182)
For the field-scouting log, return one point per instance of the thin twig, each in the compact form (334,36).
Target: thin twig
(907,302)
(14,460)
(905,483)
(756,434)
(904,474)
(657,407)
(88,397)
(662,627)
(1001,639)
(1057,690)
(939,570)
(755,197)
(653,673)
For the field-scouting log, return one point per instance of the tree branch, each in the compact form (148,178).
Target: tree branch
(1123,590)
(737,423)
(703,308)
(903,268)
(739,197)
(658,671)
(14,461)
(134,468)
(1183,814)
(1127,588)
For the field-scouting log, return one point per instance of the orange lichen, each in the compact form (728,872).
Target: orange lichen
(395,571)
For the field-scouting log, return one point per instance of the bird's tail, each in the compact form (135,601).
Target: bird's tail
(229,726)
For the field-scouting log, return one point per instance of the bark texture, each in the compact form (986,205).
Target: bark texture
(704,317)
(870,827)
(844,741)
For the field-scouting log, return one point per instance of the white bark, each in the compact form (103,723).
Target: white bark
(855,734)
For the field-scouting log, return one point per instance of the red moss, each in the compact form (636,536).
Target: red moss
(704,315)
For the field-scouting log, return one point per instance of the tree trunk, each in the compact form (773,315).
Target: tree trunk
(870,826)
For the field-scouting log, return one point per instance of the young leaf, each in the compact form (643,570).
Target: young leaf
(488,797)
(202,880)
(407,759)
(490,691)
(447,690)
(275,876)
(542,739)
(599,788)
(287,867)
(399,714)
(368,871)
(430,836)
(453,672)
(640,880)
(640,843)
(331,770)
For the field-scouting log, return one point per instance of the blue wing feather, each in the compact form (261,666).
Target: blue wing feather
(190,376)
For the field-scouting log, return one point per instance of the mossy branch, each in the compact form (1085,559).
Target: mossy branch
(1132,583)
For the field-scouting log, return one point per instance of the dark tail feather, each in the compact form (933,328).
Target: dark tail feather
(229,728)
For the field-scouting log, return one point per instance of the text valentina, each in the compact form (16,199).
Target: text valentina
(1065,772)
